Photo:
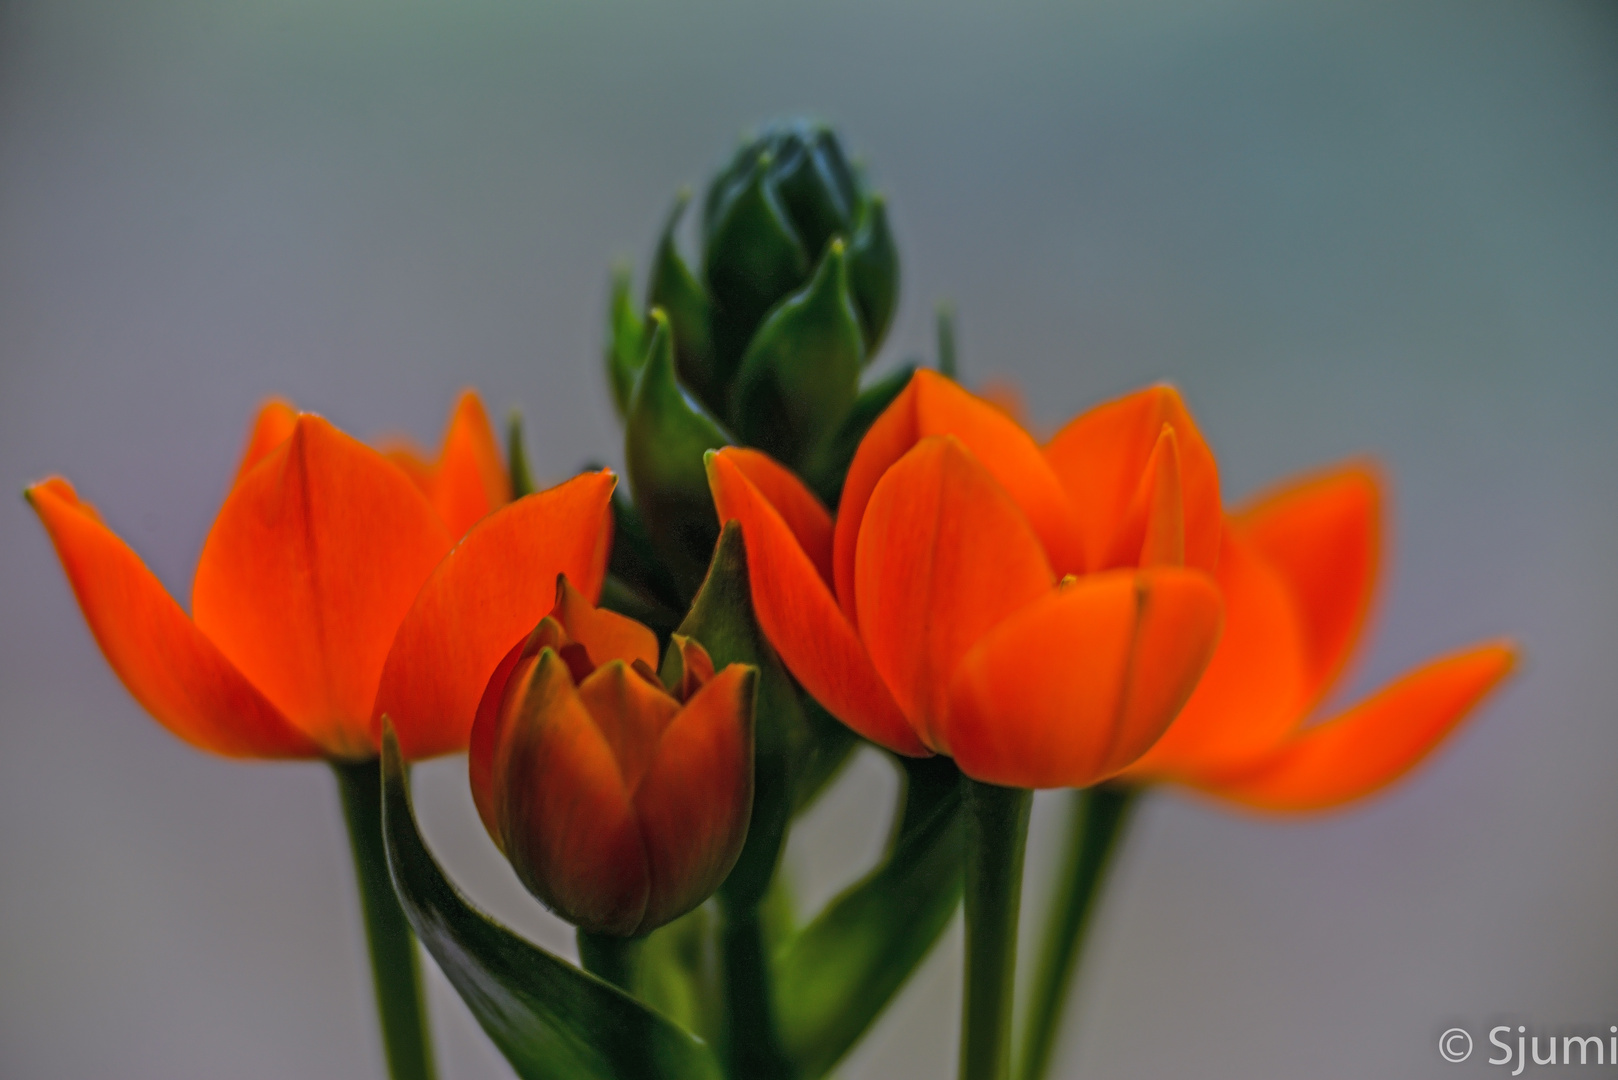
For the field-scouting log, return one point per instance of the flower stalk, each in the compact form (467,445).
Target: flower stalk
(996,838)
(395,965)
(1098,817)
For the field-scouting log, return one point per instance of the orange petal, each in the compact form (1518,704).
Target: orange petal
(695,801)
(570,829)
(809,521)
(1323,535)
(491,590)
(944,555)
(631,713)
(934,405)
(1253,693)
(696,666)
(176,673)
(1377,741)
(313,560)
(485,737)
(1101,457)
(271,427)
(799,616)
(470,481)
(1075,687)
(605,635)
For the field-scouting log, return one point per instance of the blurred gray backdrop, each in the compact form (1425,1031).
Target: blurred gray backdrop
(1339,227)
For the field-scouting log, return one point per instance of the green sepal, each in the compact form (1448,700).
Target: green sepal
(814,185)
(522,478)
(873,273)
(837,975)
(752,259)
(550,1020)
(721,620)
(827,467)
(626,342)
(676,290)
(801,372)
(635,564)
(665,436)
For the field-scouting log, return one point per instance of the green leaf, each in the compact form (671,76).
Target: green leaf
(626,342)
(676,290)
(721,620)
(664,439)
(801,373)
(827,467)
(522,478)
(551,1020)
(837,975)
(873,272)
(635,563)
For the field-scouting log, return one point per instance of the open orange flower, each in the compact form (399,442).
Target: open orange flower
(1298,569)
(621,804)
(316,563)
(1038,614)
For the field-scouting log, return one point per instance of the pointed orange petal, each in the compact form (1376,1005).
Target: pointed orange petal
(605,635)
(695,800)
(944,555)
(308,569)
(1101,457)
(271,427)
(1375,742)
(176,673)
(935,405)
(571,832)
(491,590)
(486,732)
(1075,687)
(799,616)
(470,480)
(1155,531)
(1323,535)
(809,521)
(696,666)
(1253,693)
(631,713)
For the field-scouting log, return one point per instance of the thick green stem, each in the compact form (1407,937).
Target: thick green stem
(395,966)
(996,836)
(753,1040)
(612,959)
(1097,819)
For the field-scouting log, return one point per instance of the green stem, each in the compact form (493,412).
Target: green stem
(753,1040)
(1096,823)
(996,836)
(612,959)
(395,966)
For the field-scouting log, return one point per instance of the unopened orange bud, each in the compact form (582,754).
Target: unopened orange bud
(622,804)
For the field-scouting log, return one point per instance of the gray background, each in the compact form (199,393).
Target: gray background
(1339,227)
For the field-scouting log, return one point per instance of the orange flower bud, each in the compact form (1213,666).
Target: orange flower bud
(622,804)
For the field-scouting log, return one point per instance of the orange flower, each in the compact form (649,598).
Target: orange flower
(312,567)
(1038,614)
(1298,570)
(621,805)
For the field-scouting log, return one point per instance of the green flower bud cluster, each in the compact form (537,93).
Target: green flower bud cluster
(764,343)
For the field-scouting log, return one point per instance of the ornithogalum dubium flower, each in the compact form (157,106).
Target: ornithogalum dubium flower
(1299,568)
(622,803)
(1039,614)
(316,562)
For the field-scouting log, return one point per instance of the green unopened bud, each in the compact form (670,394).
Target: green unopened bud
(801,372)
(626,342)
(873,273)
(676,290)
(665,435)
(769,216)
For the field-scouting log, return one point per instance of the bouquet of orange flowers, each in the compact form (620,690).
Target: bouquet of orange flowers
(653,681)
